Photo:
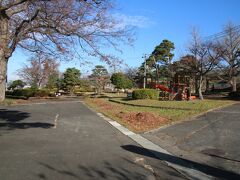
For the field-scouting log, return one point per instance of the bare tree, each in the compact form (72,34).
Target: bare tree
(54,27)
(131,72)
(39,70)
(230,46)
(99,78)
(205,56)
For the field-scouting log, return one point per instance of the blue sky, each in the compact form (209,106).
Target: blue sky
(155,20)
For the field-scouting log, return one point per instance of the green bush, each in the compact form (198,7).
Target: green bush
(22,92)
(82,89)
(234,94)
(42,93)
(16,97)
(28,93)
(145,94)
(8,93)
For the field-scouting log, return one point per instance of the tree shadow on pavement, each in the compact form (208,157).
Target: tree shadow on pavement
(209,170)
(106,171)
(12,119)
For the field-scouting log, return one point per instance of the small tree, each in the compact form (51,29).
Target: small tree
(204,57)
(39,70)
(121,81)
(71,78)
(85,85)
(17,84)
(132,73)
(52,81)
(230,47)
(162,55)
(99,77)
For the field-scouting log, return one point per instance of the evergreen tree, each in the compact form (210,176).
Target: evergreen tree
(71,78)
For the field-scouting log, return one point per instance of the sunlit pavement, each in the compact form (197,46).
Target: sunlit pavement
(211,142)
(66,140)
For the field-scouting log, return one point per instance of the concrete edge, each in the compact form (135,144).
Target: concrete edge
(153,148)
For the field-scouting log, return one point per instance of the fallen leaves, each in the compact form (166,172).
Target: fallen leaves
(141,121)
(136,121)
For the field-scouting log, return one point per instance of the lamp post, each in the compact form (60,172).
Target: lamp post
(145,71)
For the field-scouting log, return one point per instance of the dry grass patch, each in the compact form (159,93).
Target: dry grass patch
(141,119)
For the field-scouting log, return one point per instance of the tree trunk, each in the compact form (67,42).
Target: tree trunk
(3,52)
(207,85)
(157,75)
(200,88)
(3,76)
(234,83)
(196,85)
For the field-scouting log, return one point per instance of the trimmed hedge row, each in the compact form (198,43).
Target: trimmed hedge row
(234,94)
(145,94)
(26,93)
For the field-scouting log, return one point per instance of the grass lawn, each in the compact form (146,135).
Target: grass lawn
(7,102)
(141,119)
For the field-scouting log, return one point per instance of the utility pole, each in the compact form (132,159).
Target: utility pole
(145,71)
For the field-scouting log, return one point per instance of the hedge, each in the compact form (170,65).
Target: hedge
(28,93)
(145,94)
(41,93)
(21,92)
(234,94)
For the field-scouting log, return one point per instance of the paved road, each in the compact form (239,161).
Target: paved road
(211,142)
(66,140)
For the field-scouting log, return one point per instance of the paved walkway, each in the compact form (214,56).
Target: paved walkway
(65,140)
(210,143)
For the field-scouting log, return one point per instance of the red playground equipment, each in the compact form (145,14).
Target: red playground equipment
(179,90)
(163,88)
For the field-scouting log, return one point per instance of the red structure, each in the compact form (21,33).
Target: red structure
(163,88)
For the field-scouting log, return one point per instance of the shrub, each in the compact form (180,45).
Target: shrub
(8,93)
(17,97)
(82,89)
(145,94)
(42,93)
(121,81)
(234,94)
(23,92)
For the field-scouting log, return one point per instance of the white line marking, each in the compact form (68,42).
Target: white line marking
(55,121)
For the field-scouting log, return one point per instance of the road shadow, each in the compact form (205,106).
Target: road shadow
(12,119)
(212,171)
(107,170)
(12,115)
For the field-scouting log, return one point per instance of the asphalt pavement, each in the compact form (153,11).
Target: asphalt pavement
(209,143)
(66,140)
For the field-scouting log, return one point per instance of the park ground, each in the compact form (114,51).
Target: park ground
(211,139)
(145,115)
(63,139)
(66,140)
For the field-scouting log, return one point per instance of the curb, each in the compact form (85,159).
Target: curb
(157,151)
